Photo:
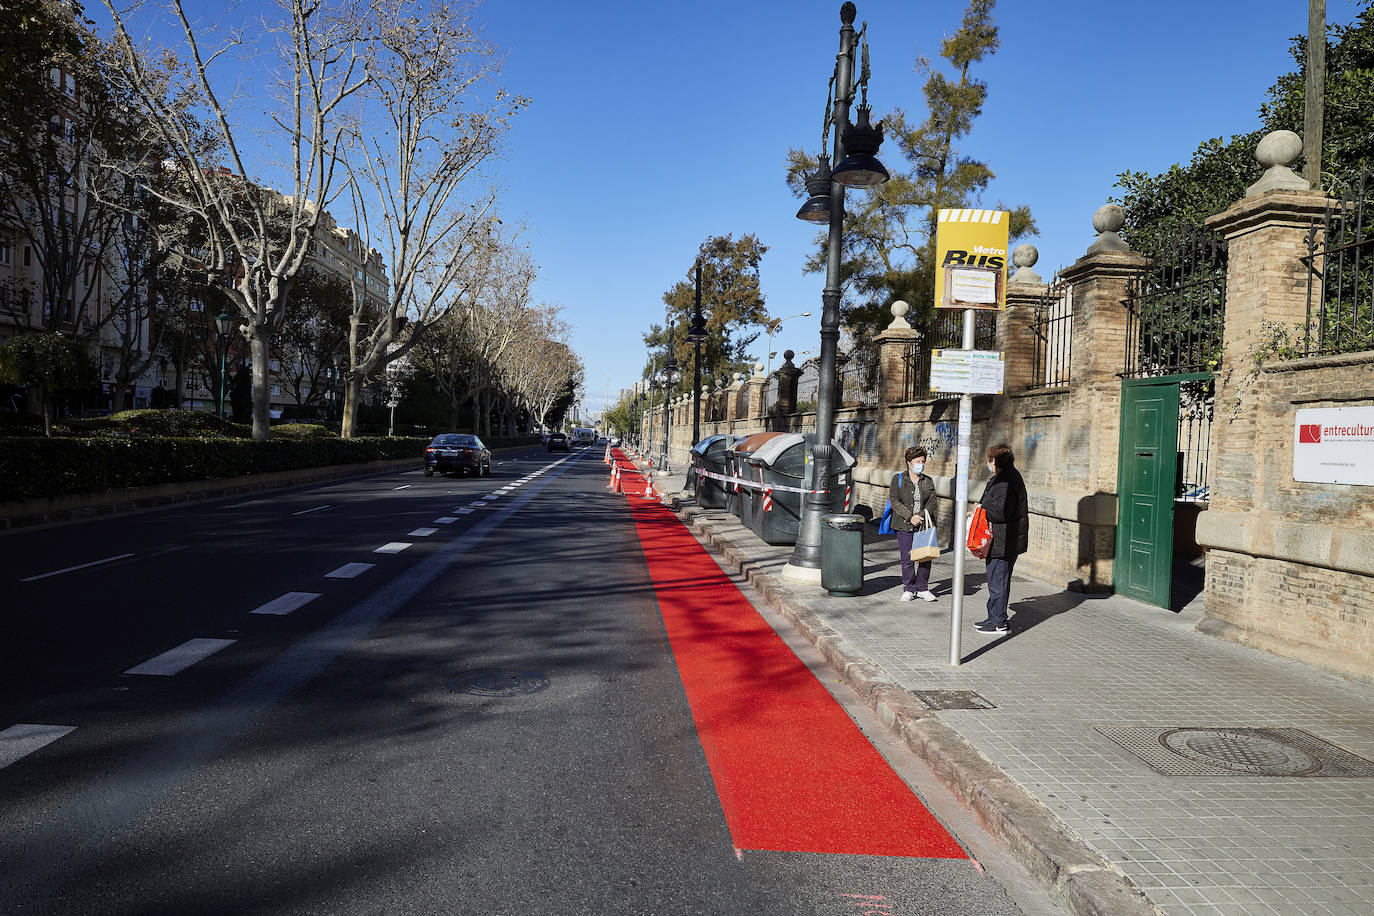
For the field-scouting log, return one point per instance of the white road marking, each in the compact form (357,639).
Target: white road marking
(182,657)
(477,505)
(422,532)
(497,495)
(287,603)
(19,741)
(58,572)
(308,511)
(403,487)
(392,547)
(348,571)
(446,520)
(466,511)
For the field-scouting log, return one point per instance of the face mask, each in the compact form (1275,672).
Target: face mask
(992,469)
(917,467)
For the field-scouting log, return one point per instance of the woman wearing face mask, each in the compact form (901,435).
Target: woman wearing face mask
(912,494)
(1005,502)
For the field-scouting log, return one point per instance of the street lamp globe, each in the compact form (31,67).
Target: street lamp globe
(860,167)
(223,320)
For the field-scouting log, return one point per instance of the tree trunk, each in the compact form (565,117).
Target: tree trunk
(45,401)
(353,391)
(262,383)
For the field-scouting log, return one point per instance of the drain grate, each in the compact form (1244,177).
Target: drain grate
(1238,752)
(952,699)
(497,682)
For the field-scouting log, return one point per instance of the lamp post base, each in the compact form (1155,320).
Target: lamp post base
(801,575)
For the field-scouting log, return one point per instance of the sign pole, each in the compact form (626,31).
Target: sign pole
(963,447)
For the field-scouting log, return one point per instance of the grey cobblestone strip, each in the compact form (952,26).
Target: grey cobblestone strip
(1086,883)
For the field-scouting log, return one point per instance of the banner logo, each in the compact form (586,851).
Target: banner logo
(1310,432)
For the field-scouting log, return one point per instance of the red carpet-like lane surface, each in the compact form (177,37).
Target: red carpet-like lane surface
(792,770)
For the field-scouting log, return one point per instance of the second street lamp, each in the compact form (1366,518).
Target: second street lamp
(697,335)
(855,148)
(223,323)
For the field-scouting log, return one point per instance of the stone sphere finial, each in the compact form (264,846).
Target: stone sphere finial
(758,368)
(739,377)
(899,313)
(1277,151)
(848,13)
(1108,220)
(787,355)
(1024,257)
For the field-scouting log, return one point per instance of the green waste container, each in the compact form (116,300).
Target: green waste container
(842,554)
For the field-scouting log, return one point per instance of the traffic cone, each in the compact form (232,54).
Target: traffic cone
(619,484)
(649,489)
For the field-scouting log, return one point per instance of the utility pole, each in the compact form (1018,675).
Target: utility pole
(1315,100)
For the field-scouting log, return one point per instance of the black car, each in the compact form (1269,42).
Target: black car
(457,453)
(558,441)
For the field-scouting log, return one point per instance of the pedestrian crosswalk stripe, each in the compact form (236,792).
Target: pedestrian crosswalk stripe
(19,741)
(287,603)
(174,661)
(348,571)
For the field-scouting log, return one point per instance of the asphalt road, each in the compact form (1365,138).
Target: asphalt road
(327,759)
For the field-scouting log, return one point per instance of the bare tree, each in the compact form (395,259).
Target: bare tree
(432,116)
(258,240)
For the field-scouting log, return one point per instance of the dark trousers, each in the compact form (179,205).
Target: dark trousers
(999,587)
(915,578)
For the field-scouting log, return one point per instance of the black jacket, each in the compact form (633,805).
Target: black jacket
(910,501)
(1005,502)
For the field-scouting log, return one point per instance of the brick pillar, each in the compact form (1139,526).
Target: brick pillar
(756,385)
(1098,342)
(1266,234)
(732,398)
(893,342)
(787,375)
(1016,340)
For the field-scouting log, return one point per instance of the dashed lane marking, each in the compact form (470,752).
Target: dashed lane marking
(392,547)
(403,487)
(287,603)
(422,532)
(349,571)
(58,572)
(182,657)
(308,511)
(19,741)
(445,520)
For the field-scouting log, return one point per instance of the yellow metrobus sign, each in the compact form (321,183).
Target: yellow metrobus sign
(971,259)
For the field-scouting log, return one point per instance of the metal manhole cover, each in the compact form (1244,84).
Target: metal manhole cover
(1238,752)
(497,682)
(952,699)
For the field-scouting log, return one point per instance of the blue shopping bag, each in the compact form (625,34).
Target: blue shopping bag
(885,522)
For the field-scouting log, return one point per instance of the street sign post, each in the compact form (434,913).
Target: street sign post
(971,263)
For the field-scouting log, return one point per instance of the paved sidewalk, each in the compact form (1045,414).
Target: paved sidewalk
(1079,808)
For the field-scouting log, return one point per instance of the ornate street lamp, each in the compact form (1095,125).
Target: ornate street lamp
(773,327)
(855,152)
(223,322)
(668,378)
(697,335)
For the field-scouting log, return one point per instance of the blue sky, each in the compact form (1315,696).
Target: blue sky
(655,125)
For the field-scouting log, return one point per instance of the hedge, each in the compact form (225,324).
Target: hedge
(41,467)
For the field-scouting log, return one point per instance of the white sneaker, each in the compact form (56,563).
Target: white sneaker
(908,596)
(926,595)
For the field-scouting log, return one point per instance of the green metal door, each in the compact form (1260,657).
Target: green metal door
(1146,481)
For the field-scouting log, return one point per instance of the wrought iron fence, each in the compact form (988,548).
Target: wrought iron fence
(857,380)
(1340,287)
(1052,329)
(1196,400)
(945,330)
(1176,308)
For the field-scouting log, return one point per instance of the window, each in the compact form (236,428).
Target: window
(28,256)
(4,251)
(276,389)
(276,365)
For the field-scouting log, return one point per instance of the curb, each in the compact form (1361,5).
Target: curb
(1085,882)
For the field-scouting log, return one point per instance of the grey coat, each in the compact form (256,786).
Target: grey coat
(908,512)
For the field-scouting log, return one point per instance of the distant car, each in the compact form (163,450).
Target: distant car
(558,442)
(457,453)
(614,442)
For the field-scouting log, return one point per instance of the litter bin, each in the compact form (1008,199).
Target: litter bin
(709,455)
(737,461)
(783,467)
(842,554)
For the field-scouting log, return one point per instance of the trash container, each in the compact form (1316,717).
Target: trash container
(737,456)
(709,455)
(783,467)
(842,554)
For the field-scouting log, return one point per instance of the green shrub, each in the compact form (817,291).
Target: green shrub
(300,431)
(44,467)
(148,422)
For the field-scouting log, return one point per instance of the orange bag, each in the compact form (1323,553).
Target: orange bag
(979,534)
